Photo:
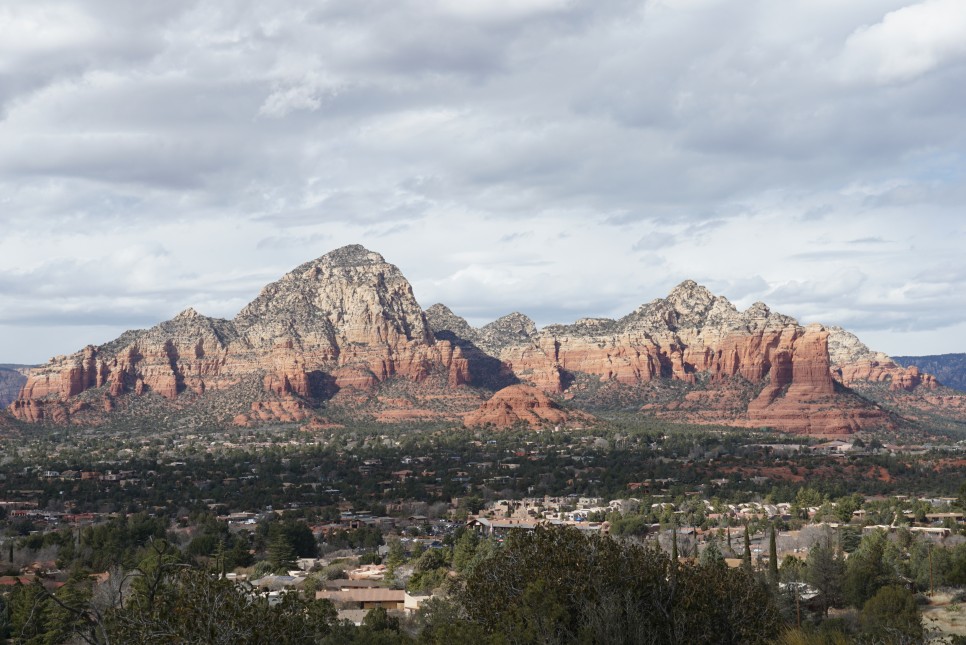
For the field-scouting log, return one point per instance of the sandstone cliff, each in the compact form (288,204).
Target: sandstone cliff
(345,329)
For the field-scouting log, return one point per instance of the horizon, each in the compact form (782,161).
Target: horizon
(561,158)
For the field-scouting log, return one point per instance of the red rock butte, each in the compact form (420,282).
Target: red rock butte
(349,322)
(522,404)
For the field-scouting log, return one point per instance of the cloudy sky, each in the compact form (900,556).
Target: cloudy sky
(564,158)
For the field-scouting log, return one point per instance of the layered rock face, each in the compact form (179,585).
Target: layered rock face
(348,319)
(698,338)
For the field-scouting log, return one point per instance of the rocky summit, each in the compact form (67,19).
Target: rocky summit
(344,334)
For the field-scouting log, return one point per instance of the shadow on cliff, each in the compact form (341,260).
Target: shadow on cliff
(485,370)
(322,386)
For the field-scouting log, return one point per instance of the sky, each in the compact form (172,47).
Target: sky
(562,158)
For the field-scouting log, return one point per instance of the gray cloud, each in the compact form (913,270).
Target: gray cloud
(570,156)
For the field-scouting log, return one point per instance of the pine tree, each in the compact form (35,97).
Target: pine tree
(712,555)
(394,559)
(281,555)
(825,571)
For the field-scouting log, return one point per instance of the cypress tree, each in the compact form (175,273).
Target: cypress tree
(772,557)
(746,558)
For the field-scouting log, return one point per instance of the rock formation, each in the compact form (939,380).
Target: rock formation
(948,368)
(700,339)
(853,362)
(521,404)
(348,322)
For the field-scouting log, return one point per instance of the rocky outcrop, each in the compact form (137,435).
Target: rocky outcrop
(853,362)
(949,369)
(521,405)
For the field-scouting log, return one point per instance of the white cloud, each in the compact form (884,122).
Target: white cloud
(907,43)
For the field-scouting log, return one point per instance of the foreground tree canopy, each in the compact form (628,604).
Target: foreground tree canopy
(560,586)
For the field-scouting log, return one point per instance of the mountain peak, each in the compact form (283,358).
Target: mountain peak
(690,297)
(515,324)
(692,303)
(351,255)
(188,314)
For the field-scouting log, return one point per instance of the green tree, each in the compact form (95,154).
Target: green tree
(556,585)
(191,606)
(68,610)
(866,570)
(394,559)
(792,569)
(281,555)
(711,556)
(824,570)
(772,556)
(29,609)
(746,556)
(430,571)
(445,625)
(846,506)
(300,537)
(465,549)
(892,613)
(379,620)
(540,616)
(4,618)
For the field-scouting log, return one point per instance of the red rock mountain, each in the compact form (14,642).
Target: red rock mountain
(752,368)
(348,319)
(348,323)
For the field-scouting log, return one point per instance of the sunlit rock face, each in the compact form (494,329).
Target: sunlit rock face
(348,322)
